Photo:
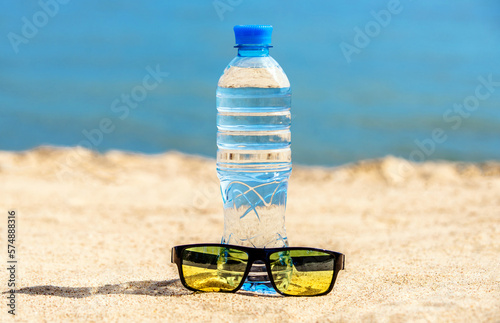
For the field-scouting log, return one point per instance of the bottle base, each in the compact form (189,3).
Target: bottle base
(259,288)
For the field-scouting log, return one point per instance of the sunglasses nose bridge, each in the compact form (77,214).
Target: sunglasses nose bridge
(256,255)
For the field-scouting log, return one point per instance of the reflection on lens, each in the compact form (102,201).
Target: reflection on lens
(213,269)
(281,268)
(302,272)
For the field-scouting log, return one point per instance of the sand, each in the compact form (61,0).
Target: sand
(95,231)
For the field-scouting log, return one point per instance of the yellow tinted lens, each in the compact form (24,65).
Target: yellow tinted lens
(213,269)
(302,272)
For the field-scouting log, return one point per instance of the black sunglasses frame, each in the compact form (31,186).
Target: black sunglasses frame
(255,254)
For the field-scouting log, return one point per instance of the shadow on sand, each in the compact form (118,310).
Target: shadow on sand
(149,287)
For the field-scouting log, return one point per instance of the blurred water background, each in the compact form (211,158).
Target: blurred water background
(392,95)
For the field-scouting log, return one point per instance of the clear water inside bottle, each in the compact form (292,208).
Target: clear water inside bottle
(253,165)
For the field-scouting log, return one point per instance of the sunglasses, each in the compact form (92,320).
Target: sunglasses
(293,271)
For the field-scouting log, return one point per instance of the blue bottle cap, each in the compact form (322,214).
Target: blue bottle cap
(253,34)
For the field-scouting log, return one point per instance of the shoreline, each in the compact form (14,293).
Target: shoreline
(85,151)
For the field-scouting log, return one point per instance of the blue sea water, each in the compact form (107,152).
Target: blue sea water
(67,81)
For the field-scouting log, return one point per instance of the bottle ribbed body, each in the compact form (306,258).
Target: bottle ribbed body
(254,164)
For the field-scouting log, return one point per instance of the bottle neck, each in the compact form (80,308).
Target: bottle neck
(253,50)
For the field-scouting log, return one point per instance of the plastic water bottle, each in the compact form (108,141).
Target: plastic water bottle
(253,141)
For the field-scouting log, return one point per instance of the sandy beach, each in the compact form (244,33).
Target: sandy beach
(94,233)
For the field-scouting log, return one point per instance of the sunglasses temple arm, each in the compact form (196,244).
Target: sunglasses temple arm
(173,256)
(342,262)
